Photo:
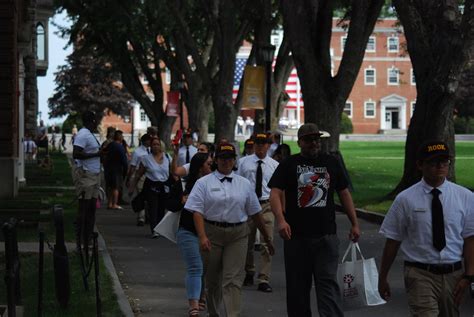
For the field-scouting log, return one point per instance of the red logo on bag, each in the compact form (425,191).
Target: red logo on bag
(349,291)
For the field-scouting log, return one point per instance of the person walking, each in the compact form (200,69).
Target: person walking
(221,203)
(187,150)
(115,169)
(156,167)
(258,168)
(248,147)
(432,222)
(141,151)
(183,171)
(187,238)
(302,199)
(86,176)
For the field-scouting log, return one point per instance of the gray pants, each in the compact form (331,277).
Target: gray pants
(307,259)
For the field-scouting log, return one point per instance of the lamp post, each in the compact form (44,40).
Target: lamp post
(268,52)
(181,85)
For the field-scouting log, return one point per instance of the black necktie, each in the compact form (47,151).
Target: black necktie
(258,179)
(27,147)
(148,150)
(437,222)
(225,178)
(187,154)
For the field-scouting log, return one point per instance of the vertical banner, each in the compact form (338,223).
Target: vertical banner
(254,88)
(172,108)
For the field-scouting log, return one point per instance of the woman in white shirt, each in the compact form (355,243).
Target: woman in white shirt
(156,167)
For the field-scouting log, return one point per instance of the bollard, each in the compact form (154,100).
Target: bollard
(96,271)
(61,260)
(40,274)
(12,264)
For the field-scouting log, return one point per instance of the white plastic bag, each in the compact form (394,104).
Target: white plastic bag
(168,226)
(358,280)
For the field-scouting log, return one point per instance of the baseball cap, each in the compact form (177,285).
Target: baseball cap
(432,149)
(308,129)
(261,138)
(225,150)
(249,142)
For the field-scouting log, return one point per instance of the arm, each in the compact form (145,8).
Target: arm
(276,203)
(131,170)
(257,218)
(348,207)
(199,224)
(138,175)
(468,270)
(78,153)
(389,253)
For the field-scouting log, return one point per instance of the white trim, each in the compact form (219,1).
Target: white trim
(365,109)
(375,45)
(388,44)
(412,107)
(365,76)
(388,76)
(393,101)
(351,108)
(343,41)
(379,59)
(412,77)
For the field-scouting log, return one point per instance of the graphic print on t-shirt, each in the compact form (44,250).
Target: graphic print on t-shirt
(313,186)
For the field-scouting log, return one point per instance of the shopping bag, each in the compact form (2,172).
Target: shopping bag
(168,226)
(358,280)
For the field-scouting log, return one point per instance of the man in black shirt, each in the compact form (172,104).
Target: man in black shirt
(306,183)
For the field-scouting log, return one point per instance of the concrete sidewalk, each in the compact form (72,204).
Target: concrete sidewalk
(152,273)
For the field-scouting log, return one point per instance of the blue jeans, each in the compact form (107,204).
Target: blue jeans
(307,259)
(188,244)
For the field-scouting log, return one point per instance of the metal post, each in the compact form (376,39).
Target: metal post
(96,270)
(40,274)
(12,264)
(268,96)
(181,114)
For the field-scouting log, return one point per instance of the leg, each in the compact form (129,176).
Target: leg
(249,262)
(446,302)
(265,257)
(152,209)
(325,254)
(298,271)
(423,289)
(213,264)
(233,262)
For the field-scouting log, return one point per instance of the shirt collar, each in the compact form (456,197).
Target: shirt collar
(219,175)
(255,158)
(428,188)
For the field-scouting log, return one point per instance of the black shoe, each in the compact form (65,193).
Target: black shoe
(264,287)
(248,280)
(140,223)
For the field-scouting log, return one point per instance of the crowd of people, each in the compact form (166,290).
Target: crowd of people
(232,202)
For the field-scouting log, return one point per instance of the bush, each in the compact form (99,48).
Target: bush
(463,125)
(346,124)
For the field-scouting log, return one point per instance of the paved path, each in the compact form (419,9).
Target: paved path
(152,272)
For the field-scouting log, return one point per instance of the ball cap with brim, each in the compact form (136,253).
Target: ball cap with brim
(431,149)
(225,150)
(261,138)
(249,142)
(308,129)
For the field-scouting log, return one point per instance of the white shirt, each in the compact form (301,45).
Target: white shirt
(29,146)
(271,149)
(89,143)
(248,168)
(225,201)
(154,171)
(409,221)
(186,167)
(182,154)
(139,152)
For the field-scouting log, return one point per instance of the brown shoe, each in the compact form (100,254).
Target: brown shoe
(248,280)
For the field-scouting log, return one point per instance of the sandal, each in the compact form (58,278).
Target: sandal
(202,305)
(193,312)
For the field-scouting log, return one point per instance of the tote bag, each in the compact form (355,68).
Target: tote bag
(358,280)
(168,226)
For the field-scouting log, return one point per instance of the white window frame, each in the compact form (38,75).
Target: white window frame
(412,77)
(388,44)
(343,42)
(167,76)
(142,115)
(40,42)
(389,70)
(412,108)
(365,109)
(375,45)
(365,76)
(351,107)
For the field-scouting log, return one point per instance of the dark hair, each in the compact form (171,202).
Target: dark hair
(88,117)
(282,152)
(118,134)
(145,138)
(197,162)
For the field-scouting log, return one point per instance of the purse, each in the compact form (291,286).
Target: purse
(138,202)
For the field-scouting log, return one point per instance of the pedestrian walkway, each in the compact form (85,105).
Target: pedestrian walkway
(152,273)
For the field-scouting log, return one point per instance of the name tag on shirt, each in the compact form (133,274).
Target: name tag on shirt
(419,210)
(215,189)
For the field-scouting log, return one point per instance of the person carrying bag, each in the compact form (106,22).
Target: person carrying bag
(358,280)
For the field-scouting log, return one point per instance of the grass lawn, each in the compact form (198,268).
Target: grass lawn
(376,167)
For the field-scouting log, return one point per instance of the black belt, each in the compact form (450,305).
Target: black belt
(264,201)
(437,268)
(223,224)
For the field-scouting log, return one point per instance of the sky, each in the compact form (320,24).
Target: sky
(57,57)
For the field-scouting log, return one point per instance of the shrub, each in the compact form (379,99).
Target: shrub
(463,125)
(346,124)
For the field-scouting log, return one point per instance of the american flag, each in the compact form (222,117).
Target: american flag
(293,88)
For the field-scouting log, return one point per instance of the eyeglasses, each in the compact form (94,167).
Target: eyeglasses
(311,138)
(439,162)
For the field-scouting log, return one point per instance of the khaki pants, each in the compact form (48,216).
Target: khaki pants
(265,257)
(225,268)
(431,295)
(141,213)
(86,183)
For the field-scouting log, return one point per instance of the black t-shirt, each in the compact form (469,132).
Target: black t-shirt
(309,186)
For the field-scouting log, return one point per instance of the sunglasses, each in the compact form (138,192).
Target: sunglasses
(439,162)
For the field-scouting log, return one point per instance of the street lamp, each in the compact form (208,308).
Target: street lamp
(268,52)
(181,86)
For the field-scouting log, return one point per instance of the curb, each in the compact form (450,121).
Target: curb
(122,299)
(370,216)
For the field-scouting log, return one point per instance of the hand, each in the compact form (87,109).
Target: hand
(175,148)
(284,230)
(354,233)
(384,289)
(459,291)
(269,246)
(205,244)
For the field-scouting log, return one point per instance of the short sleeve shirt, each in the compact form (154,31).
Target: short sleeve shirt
(409,221)
(248,169)
(309,186)
(182,154)
(154,171)
(139,152)
(225,201)
(89,143)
